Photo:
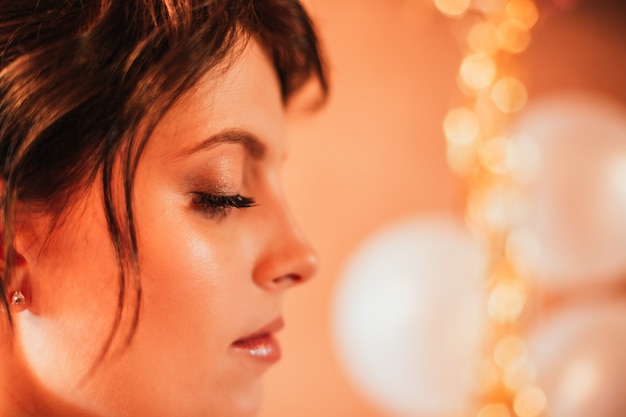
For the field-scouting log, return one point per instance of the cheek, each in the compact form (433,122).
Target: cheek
(186,283)
(194,269)
(194,278)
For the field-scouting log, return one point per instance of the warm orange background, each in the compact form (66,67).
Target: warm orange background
(376,153)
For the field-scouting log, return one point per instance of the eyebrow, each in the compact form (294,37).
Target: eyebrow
(250,142)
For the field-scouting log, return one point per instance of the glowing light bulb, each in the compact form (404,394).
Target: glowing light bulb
(580,381)
(525,159)
(461,158)
(509,95)
(497,208)
(493,155)
(510,352)
(516,377)
(478,71)
(461,126)
(489,6)
(530,402)
(522,249)
(506,302)
(523,11)
(494,410)
(501,167)
(512,37)
(453,8)
(481,38)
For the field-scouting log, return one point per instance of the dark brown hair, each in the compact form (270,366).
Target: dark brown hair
(78,77)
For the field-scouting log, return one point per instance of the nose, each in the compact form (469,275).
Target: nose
(288,258)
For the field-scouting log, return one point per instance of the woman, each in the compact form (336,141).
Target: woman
(147,244)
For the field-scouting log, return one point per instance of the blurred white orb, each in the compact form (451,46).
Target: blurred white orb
(409,316)
(577,196)
(579,356)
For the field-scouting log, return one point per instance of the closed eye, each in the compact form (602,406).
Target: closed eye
(219,205)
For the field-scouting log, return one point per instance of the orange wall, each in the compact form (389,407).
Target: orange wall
(375,153)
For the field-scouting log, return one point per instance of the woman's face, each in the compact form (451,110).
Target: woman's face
(212,275)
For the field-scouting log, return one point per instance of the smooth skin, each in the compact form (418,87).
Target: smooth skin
(209,276)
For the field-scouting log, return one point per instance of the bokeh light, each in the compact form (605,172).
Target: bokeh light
(506,301)
(478,71)
(502,167)
(522,249)
(524,12)
(461,158)
(580,380)
(461,126)
(453,7)
(489,7)
(525,159)
(494,410)
(517,377)
(509,95)
(511,37)
(530,402)
(510,352)
(494,155)
(481,38)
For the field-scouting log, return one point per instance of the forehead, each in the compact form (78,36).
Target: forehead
(245,95)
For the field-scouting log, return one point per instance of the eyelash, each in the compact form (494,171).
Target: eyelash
(218,206)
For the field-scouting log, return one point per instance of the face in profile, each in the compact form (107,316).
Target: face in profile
(217,250)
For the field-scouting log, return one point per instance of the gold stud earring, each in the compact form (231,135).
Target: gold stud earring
(18,298)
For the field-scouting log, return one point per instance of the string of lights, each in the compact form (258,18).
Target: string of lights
(497,166)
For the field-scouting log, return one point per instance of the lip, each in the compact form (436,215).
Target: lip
(261,345)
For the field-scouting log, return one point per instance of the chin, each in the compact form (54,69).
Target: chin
(250,405)
(241,403)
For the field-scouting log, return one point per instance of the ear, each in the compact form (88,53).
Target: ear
(14,276)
